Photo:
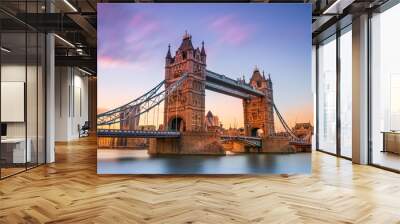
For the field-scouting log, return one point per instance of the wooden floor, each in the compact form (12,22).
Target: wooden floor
(70,191)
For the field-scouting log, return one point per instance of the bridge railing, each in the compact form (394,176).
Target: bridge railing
(136,133)
(240,137)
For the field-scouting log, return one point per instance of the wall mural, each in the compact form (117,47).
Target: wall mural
(204,88)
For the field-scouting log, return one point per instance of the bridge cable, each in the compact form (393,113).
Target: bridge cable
(286,126)
(176,111)
(147,115)
(154,112)
(158,114)
(166,105)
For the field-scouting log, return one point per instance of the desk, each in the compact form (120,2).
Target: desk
(13,150)
(391,141)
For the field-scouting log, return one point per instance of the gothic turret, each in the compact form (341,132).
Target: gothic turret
(203,53)
(257,80)
(269,80)
(168,58)
(186,44)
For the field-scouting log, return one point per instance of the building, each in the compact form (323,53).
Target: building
(234,131)
(212,122)
(303,130)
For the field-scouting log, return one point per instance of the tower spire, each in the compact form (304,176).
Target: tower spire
(186,42)
(169,51)
(186,35)
(203,51)
(256,68)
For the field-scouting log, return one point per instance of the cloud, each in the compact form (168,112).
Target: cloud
(231,30)
(136,67)
(130,40)
(144,28)
(109,62)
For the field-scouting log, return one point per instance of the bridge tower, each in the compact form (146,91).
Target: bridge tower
(258,111)
(184,110)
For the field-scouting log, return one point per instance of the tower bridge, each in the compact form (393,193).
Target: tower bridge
(184,131)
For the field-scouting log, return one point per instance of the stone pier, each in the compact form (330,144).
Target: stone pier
(276,144)
(193,143)
(281,144)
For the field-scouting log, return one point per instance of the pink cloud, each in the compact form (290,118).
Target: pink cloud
(132,48)
(142,27)
(231,30)
(110,62)
(136,19)
(140,65)
(143,31)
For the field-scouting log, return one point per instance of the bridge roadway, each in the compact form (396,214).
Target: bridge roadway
(137,133)
(254,141)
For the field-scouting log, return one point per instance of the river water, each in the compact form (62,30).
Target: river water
(138,162)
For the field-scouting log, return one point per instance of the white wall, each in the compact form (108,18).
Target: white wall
(17,73)
(71,102)
(11,73)
(33,126)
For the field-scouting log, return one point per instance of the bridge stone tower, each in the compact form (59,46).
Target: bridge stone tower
(184,110)
(258,111)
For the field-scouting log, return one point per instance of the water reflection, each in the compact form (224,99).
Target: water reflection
(120,162)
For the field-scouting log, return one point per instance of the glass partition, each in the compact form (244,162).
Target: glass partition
(41,97)
(327,95)
(13,95)
(334,65)
(22,77)
(346,93)
(31,97)
(385,89)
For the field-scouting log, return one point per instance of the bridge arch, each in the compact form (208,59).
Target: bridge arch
(257,132)
(177,124)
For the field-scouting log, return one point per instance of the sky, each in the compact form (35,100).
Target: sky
(133,41)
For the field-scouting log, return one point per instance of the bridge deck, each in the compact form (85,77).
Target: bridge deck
(137,133)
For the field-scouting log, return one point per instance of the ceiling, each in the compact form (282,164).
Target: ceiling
(76,22)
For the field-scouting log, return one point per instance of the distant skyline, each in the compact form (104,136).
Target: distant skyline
(133,40)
